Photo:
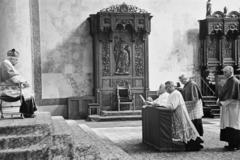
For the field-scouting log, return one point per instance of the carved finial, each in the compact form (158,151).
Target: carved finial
(209,8)
(123,8)
(225,10)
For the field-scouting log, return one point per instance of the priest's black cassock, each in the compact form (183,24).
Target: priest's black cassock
(192,97)
(230,112)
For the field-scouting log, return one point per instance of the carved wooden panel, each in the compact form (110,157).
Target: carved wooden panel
(106,98)
(139,83)
(120,34)
(139,55)
(230,26)
(215,27)
(78,107)
(122,82)
(212,49)
(105,54)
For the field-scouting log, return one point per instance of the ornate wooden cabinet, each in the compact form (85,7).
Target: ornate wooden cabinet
(120,49)
(219,43)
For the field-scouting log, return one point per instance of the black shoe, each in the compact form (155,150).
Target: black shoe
(231,149)
(29,115)
(32,116)
(201,146)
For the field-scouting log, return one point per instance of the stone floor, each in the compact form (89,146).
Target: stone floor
(128,136)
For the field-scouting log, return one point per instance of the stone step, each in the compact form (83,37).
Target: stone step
(209,97)
(62,143)
(209,101)
(98,118)
(40,125)
(24,141)
(107,149)
(31,153)
(121,113)
(212,105)
(84,145)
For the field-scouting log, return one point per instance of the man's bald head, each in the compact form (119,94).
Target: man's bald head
(228,71)
(162,88)
(183,79)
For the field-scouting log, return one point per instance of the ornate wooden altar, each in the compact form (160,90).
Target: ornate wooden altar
(120,49)
(219,44)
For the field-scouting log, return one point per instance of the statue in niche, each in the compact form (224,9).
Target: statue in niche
(209,8)
(122,54)
(226,48)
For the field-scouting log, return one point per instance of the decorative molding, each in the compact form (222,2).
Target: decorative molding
(139,54)
(106,20)
(230,26)
(226,47)
(233,14)
(218,14)
(122,82)
(215,27)
(124,22)
(105,54)
(123,8)
(211,47)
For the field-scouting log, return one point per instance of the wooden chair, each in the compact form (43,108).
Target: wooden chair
(6,98)
(125,96)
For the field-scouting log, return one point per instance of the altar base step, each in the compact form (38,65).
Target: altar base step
(125,115)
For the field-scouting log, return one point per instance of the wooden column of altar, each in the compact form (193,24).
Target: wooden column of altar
(219,46)
(120,51)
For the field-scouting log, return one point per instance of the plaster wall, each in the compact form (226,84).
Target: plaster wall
(15,32)
(173,41)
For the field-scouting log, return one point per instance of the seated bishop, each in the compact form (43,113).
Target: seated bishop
(10,76)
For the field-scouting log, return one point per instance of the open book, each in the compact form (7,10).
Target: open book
(144,101)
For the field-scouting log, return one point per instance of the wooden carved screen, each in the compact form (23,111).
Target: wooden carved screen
(120,36)
(219,44)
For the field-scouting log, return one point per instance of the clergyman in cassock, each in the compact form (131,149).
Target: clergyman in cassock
(192,97)
(10,76)
(162,98)
(229,100)
(182,127)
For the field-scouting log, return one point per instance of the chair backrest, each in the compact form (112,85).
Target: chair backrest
(123,91)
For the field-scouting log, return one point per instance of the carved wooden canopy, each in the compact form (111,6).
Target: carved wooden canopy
(218,22)
(220,40)
(120,16)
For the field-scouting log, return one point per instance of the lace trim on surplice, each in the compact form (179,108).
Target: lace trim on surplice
(183,129)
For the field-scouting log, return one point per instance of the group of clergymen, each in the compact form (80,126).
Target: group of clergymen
(187,105)
(188,111)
